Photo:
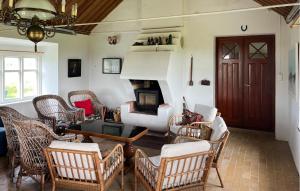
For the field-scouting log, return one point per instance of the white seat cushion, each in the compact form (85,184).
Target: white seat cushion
(155,160)
(219,128)
(180,149)
(183,166)
(76,160)
(209,113)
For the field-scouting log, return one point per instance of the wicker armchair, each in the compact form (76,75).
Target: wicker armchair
(33,137)
(53,108)
(218,139)
(98,107)
(7,114)
(208,113)
(80,166)
(180,166)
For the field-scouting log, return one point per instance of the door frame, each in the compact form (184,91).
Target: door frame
(273,73)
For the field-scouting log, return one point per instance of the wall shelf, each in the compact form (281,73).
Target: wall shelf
(143,38)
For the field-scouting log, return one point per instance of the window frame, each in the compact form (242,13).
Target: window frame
(21,71)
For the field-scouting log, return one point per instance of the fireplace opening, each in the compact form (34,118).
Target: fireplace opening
(148,96)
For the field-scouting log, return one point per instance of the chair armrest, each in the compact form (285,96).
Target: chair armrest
(202,132)
(76,114)
(50,121)
(145,166)
(67,137)
(201,123)
(113,161)
(184,139)
(175,119)
(99,108)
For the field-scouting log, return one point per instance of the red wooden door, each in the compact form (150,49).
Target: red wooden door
(230,79)
(246,81)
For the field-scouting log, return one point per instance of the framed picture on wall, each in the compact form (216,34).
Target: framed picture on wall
(111,65)
(74,68)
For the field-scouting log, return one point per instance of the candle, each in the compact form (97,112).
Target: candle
(73,10)
(63,6)
(11,3)
(76,7)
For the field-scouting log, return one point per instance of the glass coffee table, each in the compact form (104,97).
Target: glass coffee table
(113,131)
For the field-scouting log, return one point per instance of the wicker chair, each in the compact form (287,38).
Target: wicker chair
(218,139)
(208,113)
(98,107)
(180,166)
(7,114)
(80,166)
(33,137)
(53,108)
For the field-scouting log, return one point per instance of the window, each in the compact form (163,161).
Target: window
(20,77)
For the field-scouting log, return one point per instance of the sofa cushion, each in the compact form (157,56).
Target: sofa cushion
(219,128)
(209,113)
(82,161)
(86,105)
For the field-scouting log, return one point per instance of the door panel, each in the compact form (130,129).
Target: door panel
(245,81)
(229,79)
(259,79)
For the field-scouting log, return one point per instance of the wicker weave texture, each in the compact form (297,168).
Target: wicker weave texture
(80,95)
(84,170)
(53,108)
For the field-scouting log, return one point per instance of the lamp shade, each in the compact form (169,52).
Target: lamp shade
(43,9)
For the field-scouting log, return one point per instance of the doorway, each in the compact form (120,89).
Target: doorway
(245,81)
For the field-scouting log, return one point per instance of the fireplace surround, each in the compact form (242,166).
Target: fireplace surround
(148,96)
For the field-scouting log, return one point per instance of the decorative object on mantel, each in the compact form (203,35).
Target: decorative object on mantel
(113,115)
(205,82)
(191,83)
(138,44)
(169,40)
(74,68)
(244,28)
(36,19)
(158,39)
(112,66)
(112,40)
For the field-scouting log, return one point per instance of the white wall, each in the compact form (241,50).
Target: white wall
(72,47)
(55,62)
(199,34)
(48,53)
(290,132)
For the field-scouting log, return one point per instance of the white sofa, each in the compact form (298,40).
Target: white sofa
(157,122)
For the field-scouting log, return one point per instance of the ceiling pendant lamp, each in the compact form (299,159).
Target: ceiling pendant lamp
(36,19)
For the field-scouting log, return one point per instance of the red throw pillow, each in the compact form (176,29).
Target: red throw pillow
(190,117)
(86,105)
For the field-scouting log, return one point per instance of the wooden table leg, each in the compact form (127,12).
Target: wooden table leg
(87,139)
(129,151)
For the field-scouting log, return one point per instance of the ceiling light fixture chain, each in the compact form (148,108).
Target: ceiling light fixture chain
(37,19)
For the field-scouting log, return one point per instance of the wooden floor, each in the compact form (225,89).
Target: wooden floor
(252,161)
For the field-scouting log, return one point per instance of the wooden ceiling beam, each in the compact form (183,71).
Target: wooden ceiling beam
(284,11)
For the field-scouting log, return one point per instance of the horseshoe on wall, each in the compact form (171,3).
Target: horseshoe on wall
(244,28)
